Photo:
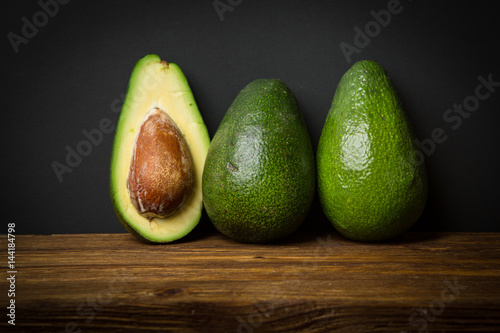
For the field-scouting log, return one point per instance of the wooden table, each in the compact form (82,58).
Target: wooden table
(437,282)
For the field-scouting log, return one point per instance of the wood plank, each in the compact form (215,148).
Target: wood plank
(447,282)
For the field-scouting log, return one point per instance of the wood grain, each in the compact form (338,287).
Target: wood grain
(437,282)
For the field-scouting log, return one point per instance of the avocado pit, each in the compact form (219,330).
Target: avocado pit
(161,175)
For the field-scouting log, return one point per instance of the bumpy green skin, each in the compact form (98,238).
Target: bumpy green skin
(371,185)
(259,175)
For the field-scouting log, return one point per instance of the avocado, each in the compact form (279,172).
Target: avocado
(371,184)
(158,154)
(259,175)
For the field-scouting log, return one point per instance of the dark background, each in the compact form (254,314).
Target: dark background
(74,71)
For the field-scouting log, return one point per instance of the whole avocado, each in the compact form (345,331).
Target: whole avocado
(259,174)
(371,183)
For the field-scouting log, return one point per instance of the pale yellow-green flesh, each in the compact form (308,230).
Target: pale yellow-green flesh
(157,84)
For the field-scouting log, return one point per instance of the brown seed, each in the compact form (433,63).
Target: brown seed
(161,175)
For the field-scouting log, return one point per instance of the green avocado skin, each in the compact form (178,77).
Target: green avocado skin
(371,183)
(259,174)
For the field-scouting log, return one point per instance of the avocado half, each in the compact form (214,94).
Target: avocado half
(156,84)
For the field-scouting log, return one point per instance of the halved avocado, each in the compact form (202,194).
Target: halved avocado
(158,88)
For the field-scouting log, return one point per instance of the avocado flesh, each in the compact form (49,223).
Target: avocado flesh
(157,84)
(371,184)
(259,175)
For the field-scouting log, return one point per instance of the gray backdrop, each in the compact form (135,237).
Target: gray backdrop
(66,66)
